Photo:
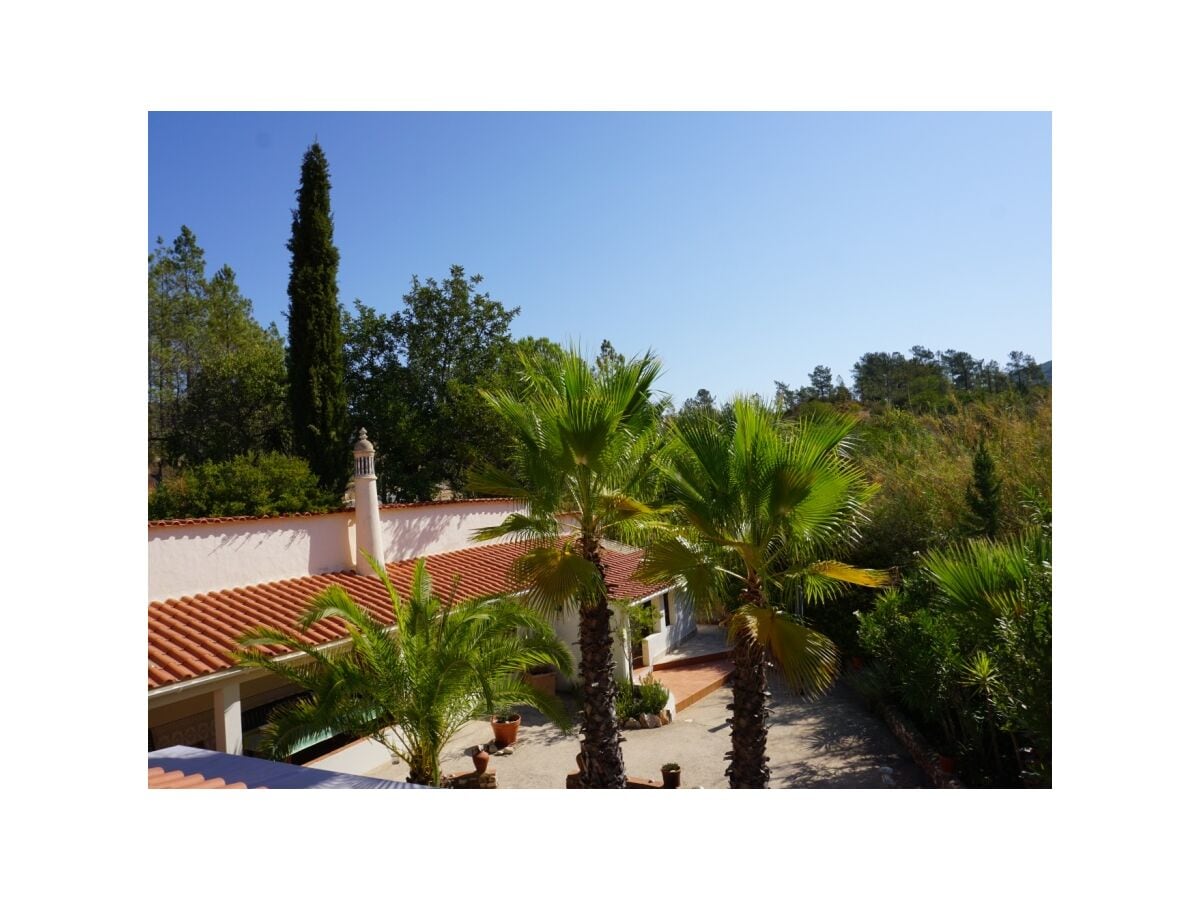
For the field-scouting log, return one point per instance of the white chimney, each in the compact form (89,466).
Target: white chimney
(367,527)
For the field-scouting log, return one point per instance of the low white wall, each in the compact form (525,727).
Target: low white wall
(357,758)
(195,558)
(566,626)
(409,532)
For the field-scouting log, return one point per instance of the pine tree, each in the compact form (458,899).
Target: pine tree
(983,493)
(316,359)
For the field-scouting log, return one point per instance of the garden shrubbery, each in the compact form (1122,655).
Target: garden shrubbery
(255,484)
(634,699)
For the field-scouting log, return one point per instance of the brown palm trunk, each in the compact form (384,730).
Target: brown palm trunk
(748,725)
(603,763)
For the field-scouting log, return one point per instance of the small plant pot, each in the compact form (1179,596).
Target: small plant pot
(947,763)
(856,663)
(543,682)
(671,778)
(481,758)
(505,733)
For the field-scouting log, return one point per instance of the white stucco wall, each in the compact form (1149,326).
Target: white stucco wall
(409,532)
(194,558)
(683,617)
(357,758)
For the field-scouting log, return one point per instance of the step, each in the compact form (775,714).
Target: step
(695,681)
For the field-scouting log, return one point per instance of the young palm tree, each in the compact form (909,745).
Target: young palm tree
(411,687)
(758,505)
(584,442)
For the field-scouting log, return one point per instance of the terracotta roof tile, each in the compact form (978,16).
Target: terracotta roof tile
(192,636)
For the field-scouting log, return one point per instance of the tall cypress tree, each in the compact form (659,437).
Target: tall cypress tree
(316,361)
(983,493)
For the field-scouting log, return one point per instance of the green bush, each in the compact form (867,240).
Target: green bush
(634,699)
(255,484)
(964,647)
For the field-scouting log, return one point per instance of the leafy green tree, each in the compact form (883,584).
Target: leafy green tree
(963,370)
(176,288)
(890,379)
(217,379)
(757,507)
(983,493)
(316,362)
(821,381)
(584,442)
(237,401)
(787,398)
(608,355)
(1023,371)
(410,684)
(255,484)
(703,402)
(414,379)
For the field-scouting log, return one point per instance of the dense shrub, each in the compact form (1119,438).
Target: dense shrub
(634,699)
(256,484)
(964,648)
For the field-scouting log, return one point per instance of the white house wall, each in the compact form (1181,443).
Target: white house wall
(357,758)
(683,617)
(204,556)
(197,558)
(409,532)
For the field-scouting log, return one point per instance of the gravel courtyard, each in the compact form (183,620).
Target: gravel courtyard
(831,742)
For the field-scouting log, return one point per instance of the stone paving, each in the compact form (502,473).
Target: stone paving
(829,742)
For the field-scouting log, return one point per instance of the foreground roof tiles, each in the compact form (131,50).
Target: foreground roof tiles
(193,636)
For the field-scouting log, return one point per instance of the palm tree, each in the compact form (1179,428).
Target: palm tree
(584,442)
(413,686)
(758,506)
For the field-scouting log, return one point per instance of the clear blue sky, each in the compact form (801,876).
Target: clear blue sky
(741,247)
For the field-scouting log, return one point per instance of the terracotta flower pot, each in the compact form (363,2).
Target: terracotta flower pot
(947,763)
(505,733)
(481,758)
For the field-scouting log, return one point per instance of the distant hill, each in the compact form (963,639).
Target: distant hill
(1046,370)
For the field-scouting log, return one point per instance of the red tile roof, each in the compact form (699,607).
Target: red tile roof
(157,777)
(344,511)
(193,636)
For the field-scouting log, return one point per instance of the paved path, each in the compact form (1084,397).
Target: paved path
(827,743)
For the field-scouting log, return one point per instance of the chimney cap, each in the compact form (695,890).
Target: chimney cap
(363,445)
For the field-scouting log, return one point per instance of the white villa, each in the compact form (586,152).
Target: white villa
(211,580)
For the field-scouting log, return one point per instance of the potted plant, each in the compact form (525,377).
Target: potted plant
(504,728)
(543,679)
(671,775)
(480,758)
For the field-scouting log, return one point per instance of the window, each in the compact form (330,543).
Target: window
(667,609)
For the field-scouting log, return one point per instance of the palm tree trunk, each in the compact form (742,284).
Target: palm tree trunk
(603,763)
(748,725)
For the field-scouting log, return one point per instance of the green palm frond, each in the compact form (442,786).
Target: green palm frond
(672,558)
(807,658)
(981,576)
(829,579)
(521,526)
(414,686)
(557,576)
